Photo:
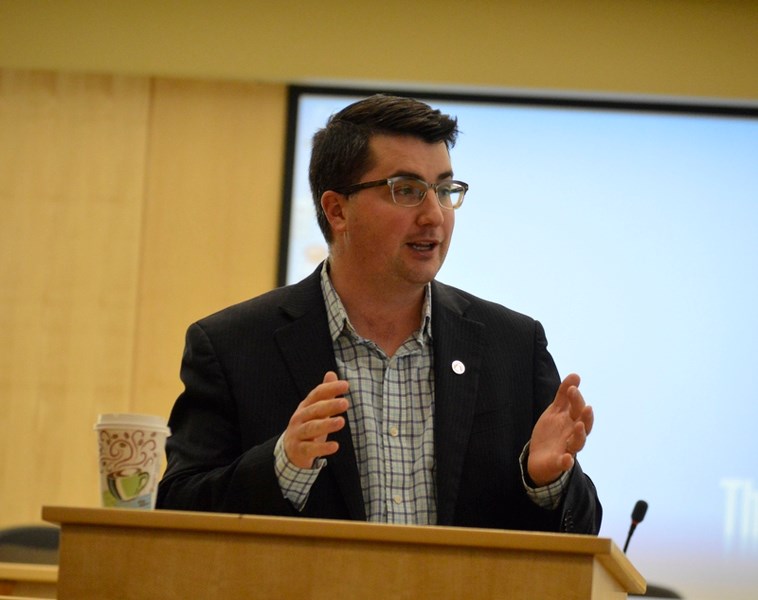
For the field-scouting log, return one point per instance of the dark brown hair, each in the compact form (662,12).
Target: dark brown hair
(341,153)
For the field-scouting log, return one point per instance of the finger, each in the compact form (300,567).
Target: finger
(563,395)
(588,418)
(329,389)
(571,380)
(576,402)
(314,450)
(305,442)
(318,428)
(566,461)
(577,439)
(327,448)
(302,429)
(323,409)
(304,453)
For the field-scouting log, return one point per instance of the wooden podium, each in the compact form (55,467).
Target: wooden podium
(131,554)
(30,580)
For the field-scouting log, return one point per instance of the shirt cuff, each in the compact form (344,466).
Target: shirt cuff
(295,483)
(547,496)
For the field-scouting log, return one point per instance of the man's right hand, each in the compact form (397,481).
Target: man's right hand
(315,418)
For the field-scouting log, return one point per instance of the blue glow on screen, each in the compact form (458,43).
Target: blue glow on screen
(633,237)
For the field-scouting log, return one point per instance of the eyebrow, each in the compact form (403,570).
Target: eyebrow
(441,177)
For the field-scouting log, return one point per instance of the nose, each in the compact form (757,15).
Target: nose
(430,210)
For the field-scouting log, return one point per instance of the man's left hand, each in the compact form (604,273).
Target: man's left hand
(559,434)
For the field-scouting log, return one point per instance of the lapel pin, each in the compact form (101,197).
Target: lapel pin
(458,367)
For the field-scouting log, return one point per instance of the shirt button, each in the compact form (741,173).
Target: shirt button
(397,499)
(393,431)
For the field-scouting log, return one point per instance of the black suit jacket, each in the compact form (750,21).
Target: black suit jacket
(246,369)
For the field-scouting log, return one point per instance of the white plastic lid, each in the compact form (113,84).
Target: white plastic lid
(131,420)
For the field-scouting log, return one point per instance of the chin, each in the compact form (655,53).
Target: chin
(422,276)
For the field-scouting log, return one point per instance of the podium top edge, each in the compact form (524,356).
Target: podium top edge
(28,572)
(327,528)
(603,549)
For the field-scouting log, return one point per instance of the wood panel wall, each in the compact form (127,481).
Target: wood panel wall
(130,207)
(673,47)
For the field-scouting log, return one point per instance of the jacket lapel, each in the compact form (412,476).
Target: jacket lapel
(307,349)
(457,362)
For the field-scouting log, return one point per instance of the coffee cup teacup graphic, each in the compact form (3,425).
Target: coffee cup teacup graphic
(127,483)
(130,448)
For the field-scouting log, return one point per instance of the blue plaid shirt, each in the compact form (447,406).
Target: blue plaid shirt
(391,417)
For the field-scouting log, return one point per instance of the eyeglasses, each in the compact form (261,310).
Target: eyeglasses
(409,191)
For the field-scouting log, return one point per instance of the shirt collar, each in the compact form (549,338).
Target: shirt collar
(339,322)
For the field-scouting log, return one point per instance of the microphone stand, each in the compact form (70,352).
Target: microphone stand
(652,591)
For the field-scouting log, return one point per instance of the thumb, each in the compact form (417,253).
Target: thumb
(330,376)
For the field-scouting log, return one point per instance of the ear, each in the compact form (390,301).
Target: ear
(333,205)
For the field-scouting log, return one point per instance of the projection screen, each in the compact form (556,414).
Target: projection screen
(630,230)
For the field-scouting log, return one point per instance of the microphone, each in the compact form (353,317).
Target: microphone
(637,515)
(652,591)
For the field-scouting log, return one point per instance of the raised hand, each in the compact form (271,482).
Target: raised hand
(315,418)
(560,432)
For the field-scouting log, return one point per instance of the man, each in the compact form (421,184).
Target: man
(369,390)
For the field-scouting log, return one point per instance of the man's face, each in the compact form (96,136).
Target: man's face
(394,246)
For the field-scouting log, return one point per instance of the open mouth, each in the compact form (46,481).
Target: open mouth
(423,246)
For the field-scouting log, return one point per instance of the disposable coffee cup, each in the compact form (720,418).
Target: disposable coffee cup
(130,450)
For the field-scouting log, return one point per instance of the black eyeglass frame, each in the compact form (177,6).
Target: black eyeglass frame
(391,181)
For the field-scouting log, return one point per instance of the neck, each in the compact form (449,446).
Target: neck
(380,313)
